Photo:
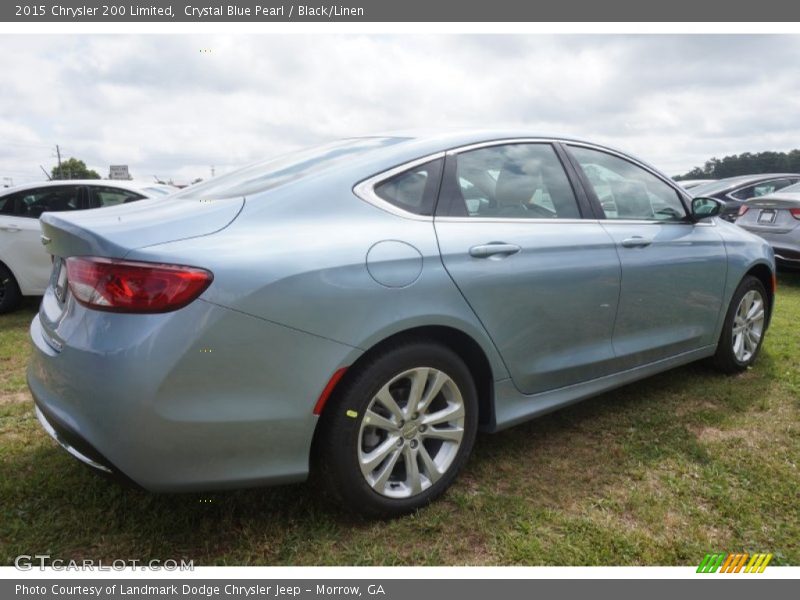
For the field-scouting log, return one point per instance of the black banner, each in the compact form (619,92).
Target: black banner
(394,10)
(732,588)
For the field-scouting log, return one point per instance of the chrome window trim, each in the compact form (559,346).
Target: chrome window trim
(709,223)
(567,221)
(729,195)
(366,188)
(510,220)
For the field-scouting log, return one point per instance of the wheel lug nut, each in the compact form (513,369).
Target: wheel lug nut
(415,416)
(400,443)
(414,443)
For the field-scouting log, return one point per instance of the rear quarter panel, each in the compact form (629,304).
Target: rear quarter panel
(297,256)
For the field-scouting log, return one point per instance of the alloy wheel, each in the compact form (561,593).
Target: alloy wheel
(748,326)
(411,432)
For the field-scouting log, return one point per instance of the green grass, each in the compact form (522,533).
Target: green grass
(657,473)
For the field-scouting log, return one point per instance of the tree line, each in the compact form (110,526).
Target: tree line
(747,163)
(73,168)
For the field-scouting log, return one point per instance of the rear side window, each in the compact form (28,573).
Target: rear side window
(761,189)
(414,190)
(510,181)
(627,191)
(111,196)
(32,203)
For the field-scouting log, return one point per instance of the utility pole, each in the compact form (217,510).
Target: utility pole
(58,153)
(212,170)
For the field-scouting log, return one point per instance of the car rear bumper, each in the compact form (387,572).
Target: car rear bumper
(787,256)
(203,398)
(785,245)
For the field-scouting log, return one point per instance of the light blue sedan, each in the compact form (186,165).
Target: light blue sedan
(361,309)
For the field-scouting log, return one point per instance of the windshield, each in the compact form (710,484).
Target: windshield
(265,175)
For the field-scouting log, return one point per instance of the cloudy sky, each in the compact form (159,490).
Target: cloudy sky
(160,105)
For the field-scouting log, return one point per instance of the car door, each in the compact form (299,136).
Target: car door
(20,235)
(543,281)
(673,269)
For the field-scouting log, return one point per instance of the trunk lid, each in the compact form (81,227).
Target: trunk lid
(770,214)
(114,231)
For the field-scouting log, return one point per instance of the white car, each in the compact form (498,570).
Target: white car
(24,265)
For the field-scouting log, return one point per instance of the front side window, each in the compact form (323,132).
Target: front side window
(32,203)
(414,190)
(111,196)
(512,181)
(626,191)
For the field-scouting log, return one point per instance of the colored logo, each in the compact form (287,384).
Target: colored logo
(734,563)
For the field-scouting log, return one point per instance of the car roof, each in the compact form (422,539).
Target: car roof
(454,138)
(417,143)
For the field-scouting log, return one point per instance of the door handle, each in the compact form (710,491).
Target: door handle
(636,241)
(10,228)
(493,249)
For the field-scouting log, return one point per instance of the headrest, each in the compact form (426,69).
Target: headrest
(515,188)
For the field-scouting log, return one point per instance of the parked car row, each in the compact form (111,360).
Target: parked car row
(361,309)
(734,191)
(24,265)
(767,204)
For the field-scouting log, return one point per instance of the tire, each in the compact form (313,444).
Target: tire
(360,424)
(9,291)
(737,349)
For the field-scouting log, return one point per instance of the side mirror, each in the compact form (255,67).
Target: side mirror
(704,208)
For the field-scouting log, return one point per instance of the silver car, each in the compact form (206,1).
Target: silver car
(776,218)
(361,309)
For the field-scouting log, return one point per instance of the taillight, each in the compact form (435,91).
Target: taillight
(795,212)
(134,287)
(743,209)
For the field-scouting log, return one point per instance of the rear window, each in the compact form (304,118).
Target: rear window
(792,189)
(111,196)
(715,187)
(266,175)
